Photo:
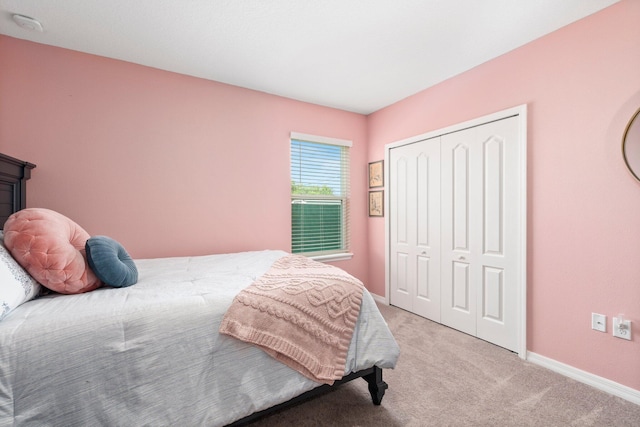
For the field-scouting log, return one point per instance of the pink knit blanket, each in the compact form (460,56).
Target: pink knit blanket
(302,313)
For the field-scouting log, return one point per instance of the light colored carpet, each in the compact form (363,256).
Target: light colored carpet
(447,378)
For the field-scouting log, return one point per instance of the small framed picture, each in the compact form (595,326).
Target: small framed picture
(376,174)
(376,203)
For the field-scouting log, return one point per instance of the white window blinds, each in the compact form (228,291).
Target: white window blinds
(319,195)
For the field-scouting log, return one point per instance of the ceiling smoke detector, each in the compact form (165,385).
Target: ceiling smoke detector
(27,23)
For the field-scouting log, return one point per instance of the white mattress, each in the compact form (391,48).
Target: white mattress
(151,354)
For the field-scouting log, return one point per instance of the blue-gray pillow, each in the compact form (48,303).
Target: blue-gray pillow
(110,262)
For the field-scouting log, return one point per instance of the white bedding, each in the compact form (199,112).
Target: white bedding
(151,354)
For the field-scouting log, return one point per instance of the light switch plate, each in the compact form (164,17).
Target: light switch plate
(599,322)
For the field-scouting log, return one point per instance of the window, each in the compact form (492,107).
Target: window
(319,196)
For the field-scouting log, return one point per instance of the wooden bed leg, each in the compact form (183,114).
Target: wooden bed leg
(377,387)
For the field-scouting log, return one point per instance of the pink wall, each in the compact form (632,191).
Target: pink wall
(581,85)
(167,164)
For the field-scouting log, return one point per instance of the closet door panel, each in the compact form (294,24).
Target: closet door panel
(459,204)
(423,279)
(493,195)
(459,185)
(402,230)
(414,184)
(493,294)
(402,274)
(460,288)
(497,320)
(427,163)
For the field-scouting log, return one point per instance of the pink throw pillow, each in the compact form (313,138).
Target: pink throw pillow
(50,247)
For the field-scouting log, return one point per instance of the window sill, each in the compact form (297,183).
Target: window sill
(332,257)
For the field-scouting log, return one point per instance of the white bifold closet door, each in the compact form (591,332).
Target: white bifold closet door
(414,198)
(453,207)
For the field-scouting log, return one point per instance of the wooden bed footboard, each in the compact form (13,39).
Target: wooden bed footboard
(373,377)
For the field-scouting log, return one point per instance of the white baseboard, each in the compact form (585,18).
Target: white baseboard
(595,381)
(380,299)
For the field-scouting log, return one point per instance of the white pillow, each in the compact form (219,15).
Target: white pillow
(16,285)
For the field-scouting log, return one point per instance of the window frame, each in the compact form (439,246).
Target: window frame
(344,253)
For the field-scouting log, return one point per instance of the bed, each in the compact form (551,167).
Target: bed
(151,354)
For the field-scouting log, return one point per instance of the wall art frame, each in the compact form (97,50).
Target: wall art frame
(376,174)
(376,203)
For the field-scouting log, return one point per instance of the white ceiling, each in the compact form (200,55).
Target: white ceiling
(355,55)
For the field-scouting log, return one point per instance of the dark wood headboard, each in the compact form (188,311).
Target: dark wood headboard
(14,174)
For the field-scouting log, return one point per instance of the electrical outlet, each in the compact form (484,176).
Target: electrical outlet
(621,328)
(599,322)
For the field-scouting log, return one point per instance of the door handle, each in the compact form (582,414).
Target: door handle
(461,258)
